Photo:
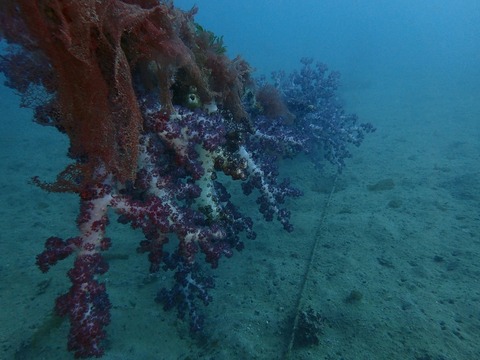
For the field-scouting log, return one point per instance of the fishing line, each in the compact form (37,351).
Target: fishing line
(313,251)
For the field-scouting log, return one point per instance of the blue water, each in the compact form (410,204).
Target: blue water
(350,36)
(392,272)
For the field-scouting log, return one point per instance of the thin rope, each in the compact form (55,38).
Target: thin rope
(306,275)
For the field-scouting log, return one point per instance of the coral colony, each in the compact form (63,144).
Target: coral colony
(155,112)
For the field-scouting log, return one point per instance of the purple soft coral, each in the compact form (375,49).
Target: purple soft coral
(138,150)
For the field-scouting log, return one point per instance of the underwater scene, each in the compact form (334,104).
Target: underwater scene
(228,180)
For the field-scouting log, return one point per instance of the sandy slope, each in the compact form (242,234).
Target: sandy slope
(410,250)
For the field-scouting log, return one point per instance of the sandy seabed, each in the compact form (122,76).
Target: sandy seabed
(386,254)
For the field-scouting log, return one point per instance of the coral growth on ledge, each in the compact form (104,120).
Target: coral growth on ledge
(155,111)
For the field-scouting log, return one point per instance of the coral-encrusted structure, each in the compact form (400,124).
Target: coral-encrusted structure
(155,111)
